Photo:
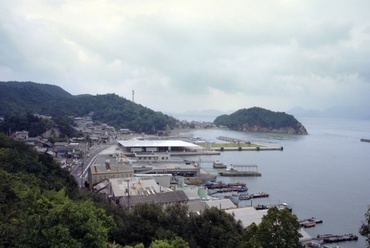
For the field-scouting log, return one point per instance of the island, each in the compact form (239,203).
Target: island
(261,120)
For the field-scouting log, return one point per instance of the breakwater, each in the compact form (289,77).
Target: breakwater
(240,148)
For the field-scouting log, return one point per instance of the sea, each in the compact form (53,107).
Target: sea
(325,174)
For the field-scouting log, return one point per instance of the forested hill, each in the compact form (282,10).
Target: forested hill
(261,120)
(19,98)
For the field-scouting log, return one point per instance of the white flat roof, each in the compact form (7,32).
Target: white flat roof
(221,204)
(156,143)
(247,215)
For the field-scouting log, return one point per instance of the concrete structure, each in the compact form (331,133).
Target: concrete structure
(222,204)
(152,156)
(164,198)
(134,186)
(247,215)
(136,146)
(174,168)
(163,180)
(128,192)
(98,173)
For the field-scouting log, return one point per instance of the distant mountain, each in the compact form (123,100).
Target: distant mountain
(261,120)
(198,115)
(19,98)
(340,112)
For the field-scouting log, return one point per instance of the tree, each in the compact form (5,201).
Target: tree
(279,228)
(215,228)
(53,220)
(175,243)
(365,227)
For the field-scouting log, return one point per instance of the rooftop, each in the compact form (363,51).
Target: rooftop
(157,143)
(103,169)
(134,186)
(166,197)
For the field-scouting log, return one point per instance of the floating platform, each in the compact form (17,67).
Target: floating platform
(253,196)
(220,187)
(331,238)
(240,174)
(241,171)
(365,140)
(311,222)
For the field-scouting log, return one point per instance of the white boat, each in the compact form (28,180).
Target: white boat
(219,165)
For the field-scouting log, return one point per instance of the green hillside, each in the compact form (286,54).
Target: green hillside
(261,120)
(20,98)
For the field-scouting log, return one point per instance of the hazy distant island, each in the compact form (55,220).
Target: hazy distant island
(261,120)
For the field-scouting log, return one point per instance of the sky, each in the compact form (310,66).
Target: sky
(193,55)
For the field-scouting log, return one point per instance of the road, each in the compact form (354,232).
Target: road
(79,171)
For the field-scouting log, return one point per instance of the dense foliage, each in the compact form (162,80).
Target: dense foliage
(27,97)
(36,126)
(247,119)
(149,222)
(22,97)
(365,227)
(278,228)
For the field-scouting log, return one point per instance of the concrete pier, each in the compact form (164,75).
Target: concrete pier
(258,148)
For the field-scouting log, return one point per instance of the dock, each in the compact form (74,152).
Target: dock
(243,145)
(233,140)
(241,171)
(252,196)
(241,148)
(332,238)
(311,222)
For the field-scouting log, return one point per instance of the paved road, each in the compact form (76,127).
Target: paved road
(79,171)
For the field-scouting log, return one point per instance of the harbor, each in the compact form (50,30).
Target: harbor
(222,168)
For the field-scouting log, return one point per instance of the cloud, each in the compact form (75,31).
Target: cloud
(189,55)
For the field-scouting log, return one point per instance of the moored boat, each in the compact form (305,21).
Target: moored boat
(244,197)
(219,165)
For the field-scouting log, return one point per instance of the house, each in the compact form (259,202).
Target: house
(20,135)
(98,173)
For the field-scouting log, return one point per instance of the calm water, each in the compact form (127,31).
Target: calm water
(325,174)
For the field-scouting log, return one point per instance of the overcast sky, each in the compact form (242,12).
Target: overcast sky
(189,55)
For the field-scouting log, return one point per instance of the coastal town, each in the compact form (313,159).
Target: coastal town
(127,169)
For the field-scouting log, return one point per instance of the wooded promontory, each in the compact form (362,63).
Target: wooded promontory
(261,120)
(22,98)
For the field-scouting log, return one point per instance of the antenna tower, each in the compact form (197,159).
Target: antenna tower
(133,93)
